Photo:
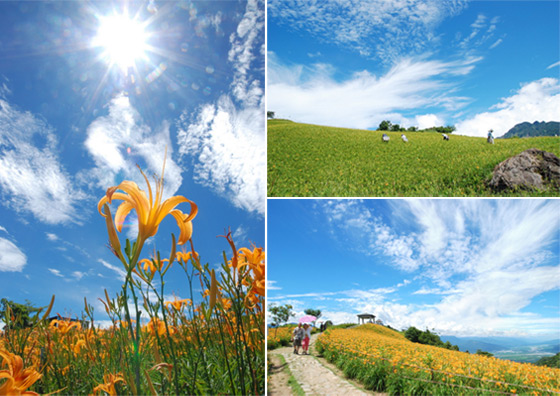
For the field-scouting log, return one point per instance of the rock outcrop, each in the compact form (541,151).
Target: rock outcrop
(529,170)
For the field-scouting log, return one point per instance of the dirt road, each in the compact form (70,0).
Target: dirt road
(314,375)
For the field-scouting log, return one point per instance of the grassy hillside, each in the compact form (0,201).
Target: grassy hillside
(383,360)
(311,160)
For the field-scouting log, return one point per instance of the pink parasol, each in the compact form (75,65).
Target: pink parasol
(307,319)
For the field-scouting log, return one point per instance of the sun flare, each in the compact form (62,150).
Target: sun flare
(123,40)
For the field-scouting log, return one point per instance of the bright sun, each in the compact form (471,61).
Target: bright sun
(123,40)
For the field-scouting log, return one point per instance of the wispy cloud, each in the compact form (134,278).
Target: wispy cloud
(482,30)
(553,65)
(489,260)
(120,139)
(12,259)
(119,271)
(226,139)
(496,43)
(31,176)
(55,272)
(373,28)
(271,285)
(312,93)
(52,237)
(535,101)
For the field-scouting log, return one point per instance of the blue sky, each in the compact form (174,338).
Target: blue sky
(464,267)
(473,64)
(78,112)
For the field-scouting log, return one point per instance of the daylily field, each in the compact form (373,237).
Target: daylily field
(212,343)
(384,360)
(317,161)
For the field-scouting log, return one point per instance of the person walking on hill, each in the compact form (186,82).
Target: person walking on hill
(297,337)
(490,137)
(306,338)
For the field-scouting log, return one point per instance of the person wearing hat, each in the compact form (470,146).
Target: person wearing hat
(490,137)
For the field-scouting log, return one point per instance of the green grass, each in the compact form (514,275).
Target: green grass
(292,382)
(317,161)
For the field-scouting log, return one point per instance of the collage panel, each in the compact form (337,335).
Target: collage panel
(132,185)
(413,296)
(419,98)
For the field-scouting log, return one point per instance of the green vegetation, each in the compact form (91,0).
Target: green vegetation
(280,314)
(429,338)
(309,160)
(552,361)
(18,316)
(313,312)
(526,129)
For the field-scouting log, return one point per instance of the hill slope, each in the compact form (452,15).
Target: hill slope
(312,160)
(526,129)
(385,361)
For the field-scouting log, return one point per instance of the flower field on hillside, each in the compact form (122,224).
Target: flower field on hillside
(384,360)
(318,161)
(280,336)
(210,343)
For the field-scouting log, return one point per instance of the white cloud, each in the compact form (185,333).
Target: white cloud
(496,43)
(553,65)
(12,259)
(116,142)
(78,275)
(119,271)
(3,229)
(240,236)
(271,285)
(535,101)
(227,139)
(55,272)
(312,93)
(488,259)
(428,121)
(52,237)
(31,176)
(379,28)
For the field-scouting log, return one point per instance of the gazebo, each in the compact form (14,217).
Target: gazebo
(363,317)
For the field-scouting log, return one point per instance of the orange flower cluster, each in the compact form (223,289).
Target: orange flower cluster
(280,336)
(373,344)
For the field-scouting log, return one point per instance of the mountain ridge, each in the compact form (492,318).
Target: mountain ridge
(526,129)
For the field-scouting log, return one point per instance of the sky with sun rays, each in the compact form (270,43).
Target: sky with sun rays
(478,65)
(90,89)
(473,267)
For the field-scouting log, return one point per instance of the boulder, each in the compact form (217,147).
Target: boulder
(529,170)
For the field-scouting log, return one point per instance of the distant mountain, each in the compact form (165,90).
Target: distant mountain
(526,129)
(473,344)
(516,349)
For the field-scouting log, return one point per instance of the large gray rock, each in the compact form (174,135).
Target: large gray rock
(531,169)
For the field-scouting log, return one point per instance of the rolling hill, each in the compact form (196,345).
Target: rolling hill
(319,161)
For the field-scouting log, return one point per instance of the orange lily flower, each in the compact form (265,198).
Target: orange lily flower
(255,260)
(109,384)
(155,325)
(17,378)
(177,304)
(150,210)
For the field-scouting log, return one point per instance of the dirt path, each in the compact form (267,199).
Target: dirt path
(314,375)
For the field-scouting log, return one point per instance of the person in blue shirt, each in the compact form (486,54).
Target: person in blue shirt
(490,137)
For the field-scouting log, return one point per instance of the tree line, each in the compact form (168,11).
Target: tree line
(386,125)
